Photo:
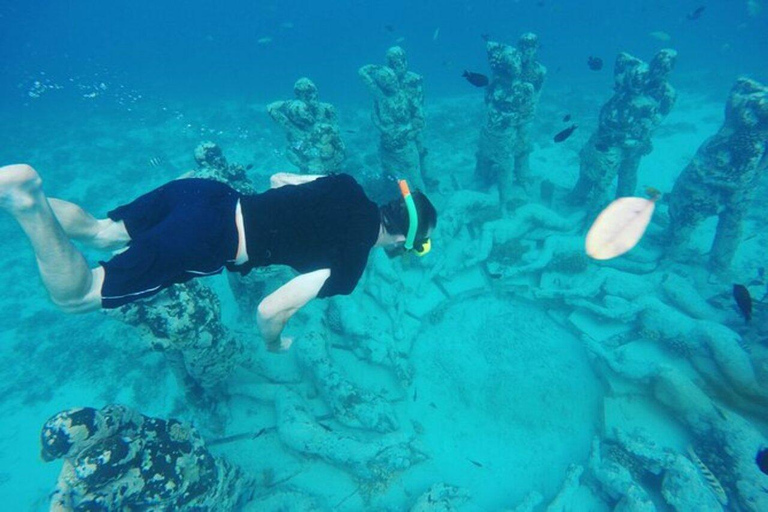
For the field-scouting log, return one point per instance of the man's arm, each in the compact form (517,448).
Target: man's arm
(279,306)
(285,178)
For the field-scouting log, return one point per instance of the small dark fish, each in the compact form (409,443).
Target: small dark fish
(475,463)
(652,193)
(236,437)
(249,167)
(743,300)
(389,28)
(432,405)
(696,13)
(601,146)
(326,427)
(762,460)
(415,393)
(476,79)
(351,131)
(761,273)
(567,118)
(595,63)
(561,136)
(485,37)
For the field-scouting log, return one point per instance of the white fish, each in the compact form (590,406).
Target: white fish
(619,227)
(264,40)
(436,34)
(660,35)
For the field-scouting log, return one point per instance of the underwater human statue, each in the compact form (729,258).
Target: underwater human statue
(642,99)
(322,226)
(511,99)
(722,177)
(314,141)
(398,114)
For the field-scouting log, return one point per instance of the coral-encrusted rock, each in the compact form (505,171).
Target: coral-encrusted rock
(684,488)
(118,459)
(617,482)
(441,498)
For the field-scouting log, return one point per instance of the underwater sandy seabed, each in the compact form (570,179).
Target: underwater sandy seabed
(512,379)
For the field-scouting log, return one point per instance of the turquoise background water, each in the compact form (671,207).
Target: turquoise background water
(94,94)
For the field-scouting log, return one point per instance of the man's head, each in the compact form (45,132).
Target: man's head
(396,219)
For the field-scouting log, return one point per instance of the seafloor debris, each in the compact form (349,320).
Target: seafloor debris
(371,459)
(441,498)
(351,405)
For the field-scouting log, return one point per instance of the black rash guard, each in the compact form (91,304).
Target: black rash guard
(326,223)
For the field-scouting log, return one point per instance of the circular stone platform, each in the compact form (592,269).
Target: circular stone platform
(506,400)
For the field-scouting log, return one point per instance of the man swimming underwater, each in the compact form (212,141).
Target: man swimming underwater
(322,226)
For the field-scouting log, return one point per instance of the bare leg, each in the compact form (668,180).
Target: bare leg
(70,282)
(82,226)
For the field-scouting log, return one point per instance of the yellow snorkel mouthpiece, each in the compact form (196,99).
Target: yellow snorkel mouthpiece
(426,246)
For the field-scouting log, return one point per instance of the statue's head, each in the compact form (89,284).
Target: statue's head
(662,63)
(305,90)
(748,105)
(397,60)
(528,45)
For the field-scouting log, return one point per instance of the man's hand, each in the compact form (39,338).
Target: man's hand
(282,344)
(279,306)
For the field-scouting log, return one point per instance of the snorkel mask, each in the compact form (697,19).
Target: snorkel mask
(422,247)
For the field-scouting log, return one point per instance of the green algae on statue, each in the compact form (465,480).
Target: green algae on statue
(642,99)
(722,177)
(511,99)
(118,459)
(312,132)
(398,114)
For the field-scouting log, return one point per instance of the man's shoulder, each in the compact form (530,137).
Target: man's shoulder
(345,182)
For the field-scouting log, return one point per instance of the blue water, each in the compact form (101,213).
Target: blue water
(108,100)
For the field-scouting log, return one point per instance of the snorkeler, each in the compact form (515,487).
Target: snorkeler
(322,226)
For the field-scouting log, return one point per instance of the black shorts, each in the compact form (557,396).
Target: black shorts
(182,230)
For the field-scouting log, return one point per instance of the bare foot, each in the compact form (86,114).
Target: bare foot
(19,187)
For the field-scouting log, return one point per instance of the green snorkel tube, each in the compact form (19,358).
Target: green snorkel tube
(413,222)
